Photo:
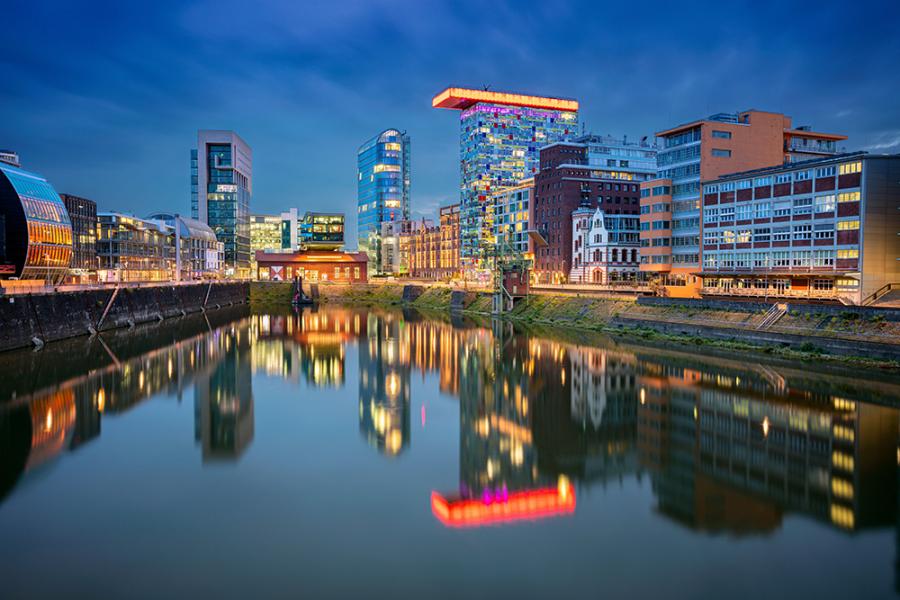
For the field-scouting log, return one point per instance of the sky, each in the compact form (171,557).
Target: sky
(105,98)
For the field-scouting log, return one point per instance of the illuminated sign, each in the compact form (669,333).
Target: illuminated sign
(226,187)
(462,98)
(512,506)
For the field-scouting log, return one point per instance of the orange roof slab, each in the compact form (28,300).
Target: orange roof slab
(462,98)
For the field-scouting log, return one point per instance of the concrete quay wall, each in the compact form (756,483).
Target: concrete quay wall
(36,319)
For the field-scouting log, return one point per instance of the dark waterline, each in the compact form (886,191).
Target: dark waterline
(345,452)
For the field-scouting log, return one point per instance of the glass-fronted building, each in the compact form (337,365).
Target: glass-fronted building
(133,249)
(265,234)
(200,255)
(500,135)
(35,230)
(83,215)
(322,231)
(221,189)
(382,189)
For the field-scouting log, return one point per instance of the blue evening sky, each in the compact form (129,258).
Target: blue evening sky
(105,98)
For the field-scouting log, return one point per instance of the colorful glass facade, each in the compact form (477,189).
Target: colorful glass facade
(382,189)
(498,147)
(37,237)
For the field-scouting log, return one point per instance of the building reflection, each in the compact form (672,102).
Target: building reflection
(727,447)
(223,397)
(308,344)
(384,373)
(731,451)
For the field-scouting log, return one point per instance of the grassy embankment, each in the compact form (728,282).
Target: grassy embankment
(603,315)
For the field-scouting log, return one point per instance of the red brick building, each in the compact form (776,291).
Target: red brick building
(564,182)
(313,266)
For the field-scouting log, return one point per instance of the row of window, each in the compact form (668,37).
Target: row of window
(777,258)
(843,169)
(779,234)
(782,208)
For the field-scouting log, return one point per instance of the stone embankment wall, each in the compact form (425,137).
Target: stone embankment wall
(36,319)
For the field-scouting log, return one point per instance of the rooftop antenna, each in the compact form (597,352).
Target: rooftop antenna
(486,88)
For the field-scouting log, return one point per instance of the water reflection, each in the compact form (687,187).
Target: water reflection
(728,447)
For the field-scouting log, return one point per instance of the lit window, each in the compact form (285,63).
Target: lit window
(848,168)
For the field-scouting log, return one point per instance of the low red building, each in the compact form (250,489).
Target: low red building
(313,266)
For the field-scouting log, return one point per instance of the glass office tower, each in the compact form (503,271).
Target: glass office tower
(500,135)
(221,188)
(382,189)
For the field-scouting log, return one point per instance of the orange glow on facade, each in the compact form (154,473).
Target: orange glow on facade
(526,505)
(463,98)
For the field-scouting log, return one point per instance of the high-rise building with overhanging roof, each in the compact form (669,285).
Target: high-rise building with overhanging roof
(500,135)
(382,189)
(221,188)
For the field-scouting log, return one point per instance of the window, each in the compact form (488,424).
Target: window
(825,172)
(823,258)
(782,209)
(802,175)
(760,259)
(721,153)
(710,215)
(728,236)
(660,225)
(763,210)
(824,231)
(710,261)
(744,212)
(726,213)
(847,168)
(848,253)
(848,197)
(743,236)
(801,258)
(763,234)
(726,261)
(848,225)
(803,206)
(745,184)
(781,234)
(802,232)
(727,187)
(783,178)
(725,135)
(781,259)
(761,181)
(846,283)
(710,237)
(825,204)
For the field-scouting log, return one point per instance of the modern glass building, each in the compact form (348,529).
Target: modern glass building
(221,188)
(83,215)
(35,230)
(500,135)
(382,189)
(322,231)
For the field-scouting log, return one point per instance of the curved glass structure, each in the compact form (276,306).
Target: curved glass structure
(382,189)
(35,231)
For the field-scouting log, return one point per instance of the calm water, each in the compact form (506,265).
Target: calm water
(347,453)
